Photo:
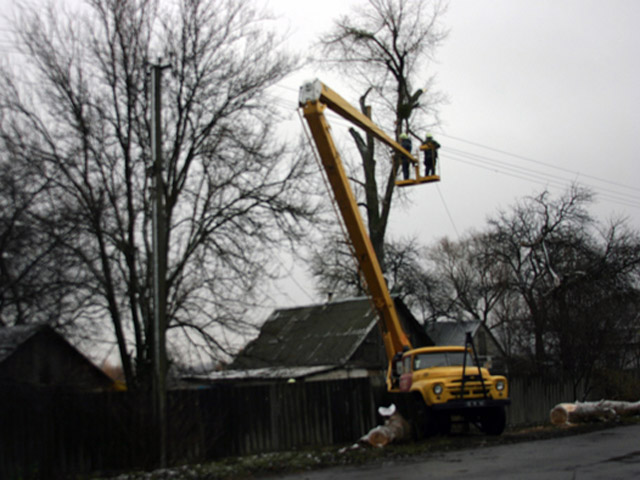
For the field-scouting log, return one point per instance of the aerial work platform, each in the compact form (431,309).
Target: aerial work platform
(417,181)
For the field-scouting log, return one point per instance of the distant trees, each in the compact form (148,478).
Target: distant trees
(559,290)
(75,144)
(337,272)
(462,281)
(384,51)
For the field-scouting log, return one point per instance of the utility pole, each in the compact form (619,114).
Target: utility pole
(159,387)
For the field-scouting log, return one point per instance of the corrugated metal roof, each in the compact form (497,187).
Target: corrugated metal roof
(325,334)
(262,373)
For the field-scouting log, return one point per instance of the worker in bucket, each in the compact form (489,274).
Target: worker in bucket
(405,142)
(430,147)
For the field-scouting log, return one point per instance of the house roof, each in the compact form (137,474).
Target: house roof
(12,337)
(58,361)
(317,335)
(266,373)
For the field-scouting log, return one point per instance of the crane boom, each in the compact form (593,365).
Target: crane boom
(314,98)
(437,383)
(316,91)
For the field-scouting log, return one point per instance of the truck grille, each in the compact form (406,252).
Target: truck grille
(472,388)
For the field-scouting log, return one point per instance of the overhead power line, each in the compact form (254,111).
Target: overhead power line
(546,164)
(607,190)
(539,177)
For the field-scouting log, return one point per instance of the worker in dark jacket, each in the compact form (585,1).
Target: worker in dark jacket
(430,147)
(405,142)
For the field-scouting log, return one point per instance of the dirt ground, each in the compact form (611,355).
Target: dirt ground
(255,466)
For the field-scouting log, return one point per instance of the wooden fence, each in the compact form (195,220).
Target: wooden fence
(49,434)
(532,398)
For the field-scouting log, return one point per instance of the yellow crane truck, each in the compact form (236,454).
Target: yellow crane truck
(434,385)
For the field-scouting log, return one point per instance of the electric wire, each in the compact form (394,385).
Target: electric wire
(489,163)
(538,177)
(448,212)
(538,162)
(456,153)
(545,179)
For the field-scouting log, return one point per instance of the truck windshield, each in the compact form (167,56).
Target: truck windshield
(440,359)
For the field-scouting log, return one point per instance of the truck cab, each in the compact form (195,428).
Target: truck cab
(448,385)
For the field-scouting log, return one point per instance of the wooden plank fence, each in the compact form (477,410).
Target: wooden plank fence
(50,434)
(532,398)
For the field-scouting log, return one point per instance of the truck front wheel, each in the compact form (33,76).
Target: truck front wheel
(493,421)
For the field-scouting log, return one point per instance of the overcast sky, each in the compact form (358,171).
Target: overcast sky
(542,93)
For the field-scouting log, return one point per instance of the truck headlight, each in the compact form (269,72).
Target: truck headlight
(499,385)
(437,389)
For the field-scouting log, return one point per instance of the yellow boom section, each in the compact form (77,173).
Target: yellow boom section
(314,98)
(317,91)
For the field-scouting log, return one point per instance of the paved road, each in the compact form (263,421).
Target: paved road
(612,454)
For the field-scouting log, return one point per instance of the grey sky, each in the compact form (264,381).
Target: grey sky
(553,81)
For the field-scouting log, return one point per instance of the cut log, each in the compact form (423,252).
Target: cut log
(579,412)
(395,429)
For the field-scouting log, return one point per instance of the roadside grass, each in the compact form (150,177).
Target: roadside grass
(308,459)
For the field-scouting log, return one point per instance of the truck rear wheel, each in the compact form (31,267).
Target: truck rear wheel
(493,421)
(440,423)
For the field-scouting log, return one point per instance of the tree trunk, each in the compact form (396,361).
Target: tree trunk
(567,413)
(395,429)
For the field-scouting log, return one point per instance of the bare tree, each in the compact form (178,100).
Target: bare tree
(33,288)
(520,241)
(575,283)
(559,290)
(384,50)
(595,303)
(231,192)
(336,270)
(465,283)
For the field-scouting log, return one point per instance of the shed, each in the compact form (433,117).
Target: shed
(36,355)
(339,339)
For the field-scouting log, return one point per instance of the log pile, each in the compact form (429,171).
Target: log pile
(580,412)
(394,429)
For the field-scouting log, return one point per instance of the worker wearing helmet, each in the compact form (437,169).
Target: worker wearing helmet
(430,147)
(405,142)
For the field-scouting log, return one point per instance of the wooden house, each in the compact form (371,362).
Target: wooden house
(37,356)
(335,340)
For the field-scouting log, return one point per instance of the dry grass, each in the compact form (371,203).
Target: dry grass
(280,463)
